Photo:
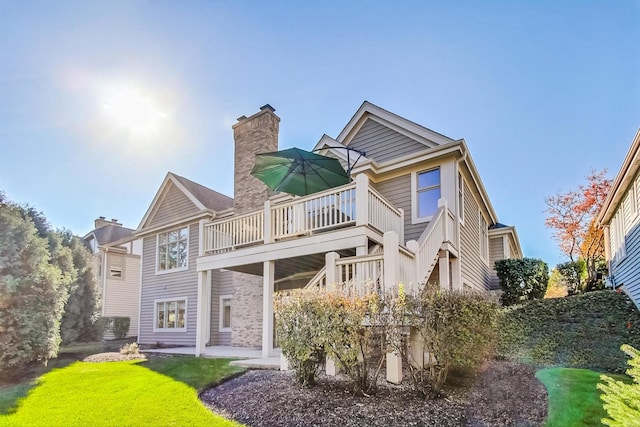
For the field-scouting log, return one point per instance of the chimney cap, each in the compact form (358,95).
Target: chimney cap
(268,107)
(241,118)
(102,217)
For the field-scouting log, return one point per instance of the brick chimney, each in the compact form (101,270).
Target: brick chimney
(252,135)
(102,221)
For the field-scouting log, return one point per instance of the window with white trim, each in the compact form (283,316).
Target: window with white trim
(484,238)
(171,315)
(427,192)
(173,249)
(225,313)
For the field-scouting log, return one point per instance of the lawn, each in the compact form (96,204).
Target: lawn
(574,399)
(161,392)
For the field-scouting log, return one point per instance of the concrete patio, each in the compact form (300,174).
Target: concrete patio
(250,358)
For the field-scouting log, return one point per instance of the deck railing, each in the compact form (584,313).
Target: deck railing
(356,203)
(441,229)
(234,232)
(383,215)
(328,209)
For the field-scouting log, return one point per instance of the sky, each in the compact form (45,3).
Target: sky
(99,100)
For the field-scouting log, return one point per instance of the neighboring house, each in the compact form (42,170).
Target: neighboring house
(416,211)
(116,253)
(503,244)
(620,217)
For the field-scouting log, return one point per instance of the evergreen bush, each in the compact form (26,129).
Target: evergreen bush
(622,401)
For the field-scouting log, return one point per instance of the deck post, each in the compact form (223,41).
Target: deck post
(362,199)
(442,202)
(330,259)
(203,243)
(201,313)
(394,368)
(412,286)
(267,222)
(267,308)
(391,260)
(444,266)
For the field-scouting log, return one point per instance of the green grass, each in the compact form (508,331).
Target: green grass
(196,372)
(574,399)
(118,393)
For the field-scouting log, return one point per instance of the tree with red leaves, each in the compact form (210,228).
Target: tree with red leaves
(572,216)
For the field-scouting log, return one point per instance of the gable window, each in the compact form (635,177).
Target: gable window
(171,315)
(225,313)
(426,193)
(173,249)
(484,240)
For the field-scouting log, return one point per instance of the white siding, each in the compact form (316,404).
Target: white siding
(496,252)
(475,271)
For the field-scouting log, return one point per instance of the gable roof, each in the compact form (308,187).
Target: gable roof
(202,197)
(628,171)
(209,198)
(401,125)
(109,233)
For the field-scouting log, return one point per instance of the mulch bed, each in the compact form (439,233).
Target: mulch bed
(113,357)
(504,394)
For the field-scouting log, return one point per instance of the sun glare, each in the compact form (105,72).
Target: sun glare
(132,109)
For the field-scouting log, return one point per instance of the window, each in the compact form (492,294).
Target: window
(460,198)
(116,264)
(171,315)
(426,194)
(484,240)
(225,313)
(173,249)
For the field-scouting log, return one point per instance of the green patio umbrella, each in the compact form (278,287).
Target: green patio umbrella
(299,172)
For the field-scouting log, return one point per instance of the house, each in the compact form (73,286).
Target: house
(116,255)
(621,221)
(415,211)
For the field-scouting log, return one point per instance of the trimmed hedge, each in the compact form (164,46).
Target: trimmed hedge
(582,331)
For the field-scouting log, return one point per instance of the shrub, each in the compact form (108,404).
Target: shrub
(298,321)
(582,331)
(357,332)
(622,401)
(522,279)
(120,327)
(131,348)
(458,331)
(353,336)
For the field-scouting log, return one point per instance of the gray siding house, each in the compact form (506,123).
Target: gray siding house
(620,217)
(416,211)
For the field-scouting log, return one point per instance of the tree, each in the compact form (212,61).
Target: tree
(522,279)
(572,216)
(83,306)
(573,275)
(32,293)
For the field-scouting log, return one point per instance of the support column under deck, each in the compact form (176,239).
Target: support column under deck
(267,308)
